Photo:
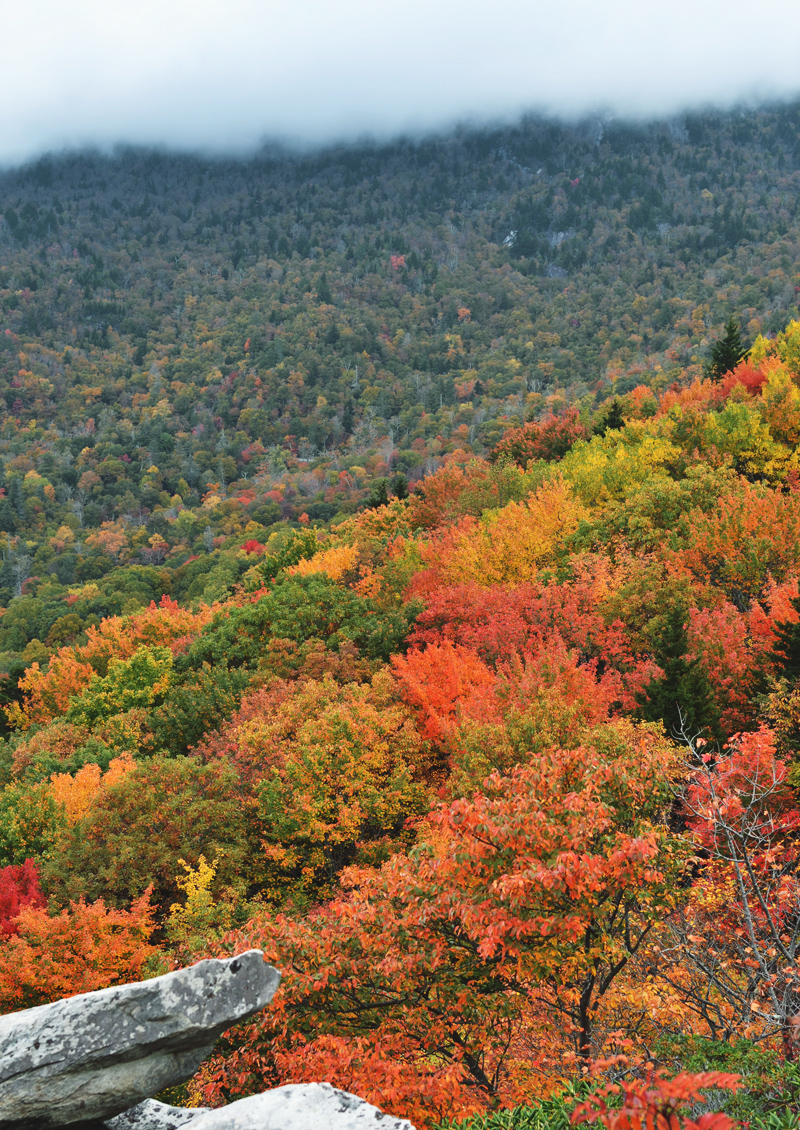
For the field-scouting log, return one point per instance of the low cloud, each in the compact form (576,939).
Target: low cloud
(225,77)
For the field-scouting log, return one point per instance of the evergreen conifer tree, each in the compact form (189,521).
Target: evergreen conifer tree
(786,652)
(378,495)
(728,351)
(613,419)
(324,290)
(682,697)
(18,498)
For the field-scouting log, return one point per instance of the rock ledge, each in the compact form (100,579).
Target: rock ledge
(90,1057)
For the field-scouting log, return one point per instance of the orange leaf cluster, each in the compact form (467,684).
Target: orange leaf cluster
(87,947)
(76,794)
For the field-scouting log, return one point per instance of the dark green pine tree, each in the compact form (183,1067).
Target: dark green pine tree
(400,486)
(682,698)
(378,495)
(324,290)
(18,498)
(728,351)
(612,420)
(786,652)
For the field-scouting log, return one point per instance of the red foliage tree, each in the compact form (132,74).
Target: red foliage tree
(549,439)
(748,376)
(19,887)
(731,657)
(501,624)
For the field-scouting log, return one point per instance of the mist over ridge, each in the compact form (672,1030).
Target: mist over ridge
(197,77)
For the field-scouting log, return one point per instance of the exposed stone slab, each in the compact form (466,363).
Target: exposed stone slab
(153,1115)
(300,1106)
(94,1056)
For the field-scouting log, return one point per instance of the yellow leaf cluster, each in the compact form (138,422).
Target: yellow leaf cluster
(609,467)
(512,543)
(190,926)
(334,562)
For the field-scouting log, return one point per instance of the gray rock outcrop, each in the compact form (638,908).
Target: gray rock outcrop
(91,1057)
(153,1115)
(300,1106)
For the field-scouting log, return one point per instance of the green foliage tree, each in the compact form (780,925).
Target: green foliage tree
(30,823)
(198,702)
(137,829)
(300,544)
(133,683)
(611,420)
(379,495)
(301,609)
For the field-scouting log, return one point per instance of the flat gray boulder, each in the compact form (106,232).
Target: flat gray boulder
(300,1106)
(153,1115)
(94,1056)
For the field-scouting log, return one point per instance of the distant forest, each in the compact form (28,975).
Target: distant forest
(195,354)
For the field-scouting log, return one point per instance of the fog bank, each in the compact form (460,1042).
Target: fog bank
(225,77)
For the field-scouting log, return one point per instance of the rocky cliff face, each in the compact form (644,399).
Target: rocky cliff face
(94,1061)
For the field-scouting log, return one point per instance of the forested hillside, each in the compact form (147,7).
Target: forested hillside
(399,579)
(187,346)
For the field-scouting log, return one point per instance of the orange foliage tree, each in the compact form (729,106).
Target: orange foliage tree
(750,537)
(77,793)
(86,947)
(331,775)
(534,895)
(445,683)
(509,545)
(454,492)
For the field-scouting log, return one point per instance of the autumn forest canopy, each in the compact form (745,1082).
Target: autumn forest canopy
(400,551)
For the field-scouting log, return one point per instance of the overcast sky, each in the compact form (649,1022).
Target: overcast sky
(225,76)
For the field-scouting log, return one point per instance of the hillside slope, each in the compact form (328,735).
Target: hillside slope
(193,352)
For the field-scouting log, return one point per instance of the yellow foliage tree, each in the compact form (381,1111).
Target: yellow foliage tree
(608,467)
(334,562)
(191,926)
(509,545)
(786,346)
